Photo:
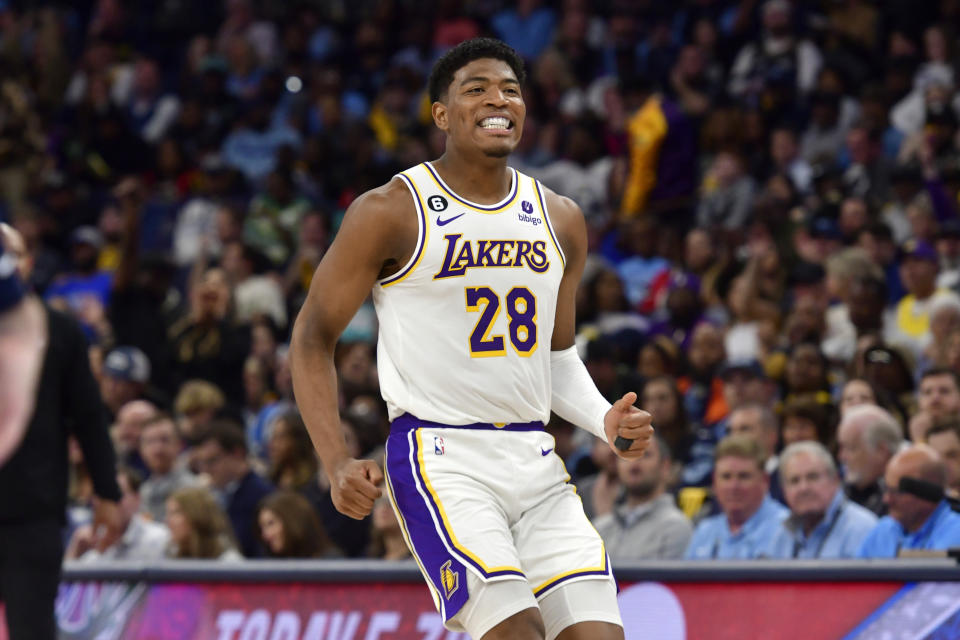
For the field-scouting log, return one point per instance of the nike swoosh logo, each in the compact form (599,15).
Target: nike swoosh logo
(441,222)
(547,452)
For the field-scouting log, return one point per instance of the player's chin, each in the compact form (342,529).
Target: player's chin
(498,151)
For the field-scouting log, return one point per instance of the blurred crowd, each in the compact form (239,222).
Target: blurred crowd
(771,191)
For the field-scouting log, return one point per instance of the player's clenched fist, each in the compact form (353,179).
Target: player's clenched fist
(626,422)
(355,487)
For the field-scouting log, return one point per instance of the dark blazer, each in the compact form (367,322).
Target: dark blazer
(242,510)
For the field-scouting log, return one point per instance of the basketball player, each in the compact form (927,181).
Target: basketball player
(474,269)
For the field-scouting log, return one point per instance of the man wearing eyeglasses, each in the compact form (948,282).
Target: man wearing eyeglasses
(913,522)
(823,522)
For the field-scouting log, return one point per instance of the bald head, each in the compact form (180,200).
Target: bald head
(919,462)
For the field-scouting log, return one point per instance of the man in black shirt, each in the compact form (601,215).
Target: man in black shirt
(33,481)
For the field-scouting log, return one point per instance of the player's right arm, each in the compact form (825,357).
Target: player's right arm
(377,237)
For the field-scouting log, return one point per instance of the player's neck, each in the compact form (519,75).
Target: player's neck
(485,182)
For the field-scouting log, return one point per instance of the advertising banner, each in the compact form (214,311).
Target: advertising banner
(378,611)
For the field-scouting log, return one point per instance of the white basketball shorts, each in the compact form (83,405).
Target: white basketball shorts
(492,500)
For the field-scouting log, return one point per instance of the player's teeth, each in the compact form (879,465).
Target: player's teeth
(495,123)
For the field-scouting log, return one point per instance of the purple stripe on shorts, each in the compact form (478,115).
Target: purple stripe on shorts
(407,422)
(426,540)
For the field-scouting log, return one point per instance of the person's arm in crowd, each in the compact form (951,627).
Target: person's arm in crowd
(129,194)
(377,236)
(83,407)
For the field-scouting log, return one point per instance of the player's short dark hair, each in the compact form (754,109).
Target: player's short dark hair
(463,54)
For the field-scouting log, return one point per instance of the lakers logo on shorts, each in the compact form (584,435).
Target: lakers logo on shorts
(450,579)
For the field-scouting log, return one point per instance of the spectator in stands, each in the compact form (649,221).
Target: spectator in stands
(662,398)
(645,523)
(659,179)
(84,291)
(806,419)
(744,381)
(256,290)
(293,464)
(350,535)
(939,394)
(856,392)
(197,403)
(205,343)
(599,490)
(749,515)
(222,455)
(126,373)
(288,527)
(142,539)
(823,522)
(867,438)
(918,271)
(198,526)
(759,422)
(944,438)
(159,447)
(780,57)
(914,522)
(386,536)
(125,433)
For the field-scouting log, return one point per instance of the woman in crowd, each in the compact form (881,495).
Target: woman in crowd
(198,526)
(292,461)
(288,527)
(386,538)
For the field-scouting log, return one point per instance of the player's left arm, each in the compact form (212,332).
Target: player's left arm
(574,396)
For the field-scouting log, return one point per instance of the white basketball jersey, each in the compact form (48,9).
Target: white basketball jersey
(466,324)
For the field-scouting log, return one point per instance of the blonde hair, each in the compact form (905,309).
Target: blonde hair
(198,395)
(210,533)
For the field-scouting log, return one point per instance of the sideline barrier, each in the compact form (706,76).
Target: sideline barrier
(371,600)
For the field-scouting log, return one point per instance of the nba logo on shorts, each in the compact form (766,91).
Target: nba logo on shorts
(449,578)
(438,445)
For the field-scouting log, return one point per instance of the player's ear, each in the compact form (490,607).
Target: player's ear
(439,111)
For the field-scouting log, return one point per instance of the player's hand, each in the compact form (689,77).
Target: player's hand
(355,486)
(108,523)
(626,421)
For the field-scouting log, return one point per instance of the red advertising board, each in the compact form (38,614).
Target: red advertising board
(375,611)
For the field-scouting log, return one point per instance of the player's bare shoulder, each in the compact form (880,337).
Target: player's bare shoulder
(384,219)
(568,223)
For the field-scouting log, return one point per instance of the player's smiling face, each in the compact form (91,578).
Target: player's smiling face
(483,108)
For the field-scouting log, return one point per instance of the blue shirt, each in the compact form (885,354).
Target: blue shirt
(839,535)
(713,538)
(940,531)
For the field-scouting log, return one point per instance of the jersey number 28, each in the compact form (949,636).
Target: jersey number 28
(522,314)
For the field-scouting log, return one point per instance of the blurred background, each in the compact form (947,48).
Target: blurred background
(771,190)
